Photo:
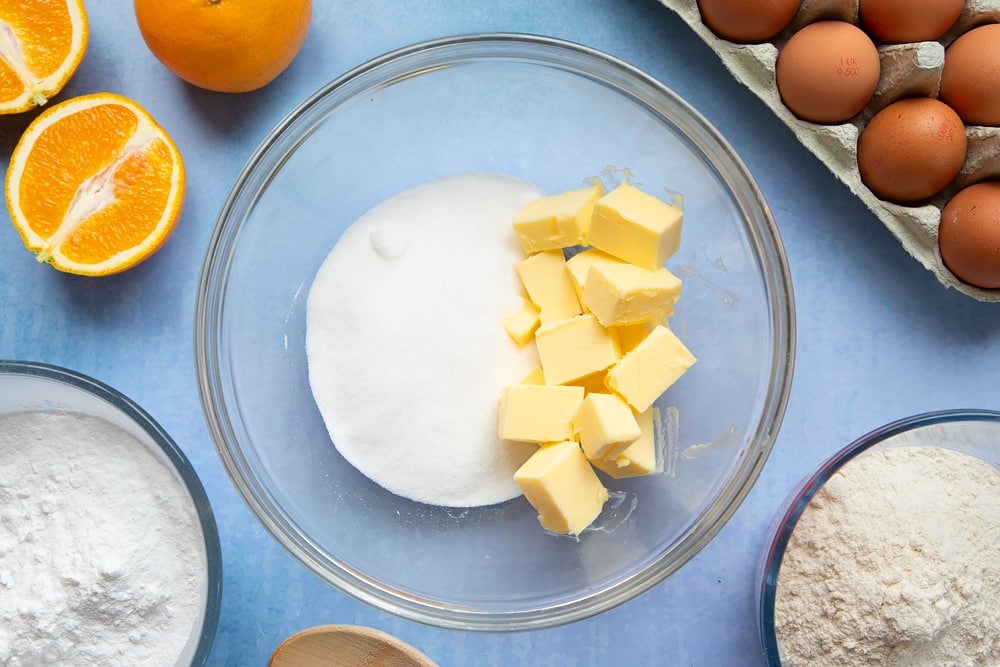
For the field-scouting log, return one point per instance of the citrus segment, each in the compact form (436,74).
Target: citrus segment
(41,44)
(95,185)
(228,46)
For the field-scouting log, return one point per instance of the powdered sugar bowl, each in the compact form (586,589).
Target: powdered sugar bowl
(109,552)
(890,552)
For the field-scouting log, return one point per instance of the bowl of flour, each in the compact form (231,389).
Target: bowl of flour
(890,553)
(350,341)
(109,553)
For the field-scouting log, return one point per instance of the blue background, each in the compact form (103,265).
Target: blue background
(878,337)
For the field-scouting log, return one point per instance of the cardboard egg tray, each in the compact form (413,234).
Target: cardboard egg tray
(908,70)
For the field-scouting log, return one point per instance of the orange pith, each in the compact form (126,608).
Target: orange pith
(224,45)
(41,44)
(95,185)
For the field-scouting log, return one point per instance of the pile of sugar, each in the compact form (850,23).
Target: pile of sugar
(407,354)
(102,559)
(896,561)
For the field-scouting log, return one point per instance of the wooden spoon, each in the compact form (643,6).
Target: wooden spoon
(346,646)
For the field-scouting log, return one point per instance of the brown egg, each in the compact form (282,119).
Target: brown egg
(911,149)
(969,235)
(747,20)
(970,80)
(899,21)
(827,72)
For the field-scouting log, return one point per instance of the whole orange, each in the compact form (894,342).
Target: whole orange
(230,46)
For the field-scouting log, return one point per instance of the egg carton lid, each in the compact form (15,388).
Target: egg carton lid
(912,69)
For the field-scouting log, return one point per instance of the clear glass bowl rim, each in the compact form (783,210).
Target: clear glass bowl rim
(174,454)
(267,159)
(799,498)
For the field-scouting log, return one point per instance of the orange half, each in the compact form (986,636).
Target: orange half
(95,185)
(41,44)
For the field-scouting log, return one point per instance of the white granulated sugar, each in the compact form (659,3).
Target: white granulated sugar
(102,559)
(406,348)
(896,561)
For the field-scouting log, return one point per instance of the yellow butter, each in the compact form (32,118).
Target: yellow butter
(639,458)
(536,376)
(627,294)
(561,485)
(556,221)
(636,227)
(630,335)
(605,426)
(573,348)
(521,325)
(538,413)
(547,283)
(592,383)
(649,369)
(580,263)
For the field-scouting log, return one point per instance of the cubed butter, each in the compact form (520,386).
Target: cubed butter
(605,425)
(580,263)
(648,370)
(573,348)
(547,282)
(636,227)
(556,221)
(562,486)
(630,335)
(521,325)
(639,458)
(627,294)
(538,413)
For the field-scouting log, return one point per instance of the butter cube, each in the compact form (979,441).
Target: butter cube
(521,325)
(630,335)
(573,348)
(605,425)
(636,227)
(579,266)
(547,282)
(648,370)
(538,413)
(639,458)
(561,485)
(627,294)
(556,221)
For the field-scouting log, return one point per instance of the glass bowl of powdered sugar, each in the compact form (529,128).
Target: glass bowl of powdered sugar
(109,553)
(889,554)
(350,338)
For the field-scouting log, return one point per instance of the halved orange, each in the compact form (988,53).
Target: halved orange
(41,44)
(95,185)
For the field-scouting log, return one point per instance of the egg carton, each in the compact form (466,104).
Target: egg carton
(908,70)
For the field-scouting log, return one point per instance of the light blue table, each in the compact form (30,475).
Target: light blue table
(878,337)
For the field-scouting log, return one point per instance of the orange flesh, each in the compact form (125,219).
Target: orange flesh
(140,182)
(40,34)
(140,199)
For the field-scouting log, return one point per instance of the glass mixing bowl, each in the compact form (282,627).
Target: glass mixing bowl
(553,113)
(972,432)
(30,386)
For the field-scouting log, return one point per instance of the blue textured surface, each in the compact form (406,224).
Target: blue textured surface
(878,337)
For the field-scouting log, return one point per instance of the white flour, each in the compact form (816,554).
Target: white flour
(406,348)
(896,562)
(102,560)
